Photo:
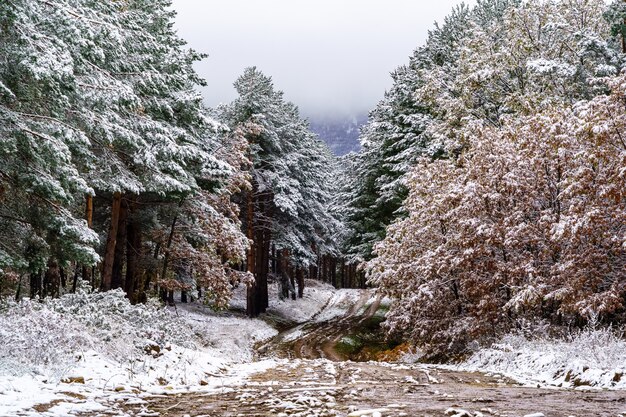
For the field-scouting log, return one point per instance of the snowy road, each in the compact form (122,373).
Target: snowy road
(324,388)
(312,378)
(336,332)
(304,371)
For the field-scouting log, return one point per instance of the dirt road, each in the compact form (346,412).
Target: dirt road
(313,378)
(347,328)
(324,388)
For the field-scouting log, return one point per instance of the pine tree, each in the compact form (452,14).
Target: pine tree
(105,131)
(396,136)
(286,206)
(42,155)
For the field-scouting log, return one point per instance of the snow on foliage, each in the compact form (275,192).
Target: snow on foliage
(591,358)
(97,98)
(291,168)
(54,338)
(525,216)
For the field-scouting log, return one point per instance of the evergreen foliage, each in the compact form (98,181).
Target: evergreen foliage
(286,210)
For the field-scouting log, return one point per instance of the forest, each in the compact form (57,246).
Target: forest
(489,193)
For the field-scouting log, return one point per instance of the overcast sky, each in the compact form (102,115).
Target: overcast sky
(330,57)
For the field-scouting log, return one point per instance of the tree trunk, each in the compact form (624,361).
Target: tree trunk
(292,278)
(144,284)
(63,276)
(343,273)
(183,296)
(75,279)
(18,293)
(258,270)
(318,267)
(109,254)
(170,238)
(351,282)
(262,268)
(51,280)
(263,246)
(274,260)
(89,217)
(251,294)
(300,277)
(133,253)
(120,248)
(35,285)
(281,271)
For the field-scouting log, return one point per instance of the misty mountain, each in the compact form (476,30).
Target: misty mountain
(342,135)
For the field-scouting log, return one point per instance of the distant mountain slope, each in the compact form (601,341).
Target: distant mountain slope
(342,136)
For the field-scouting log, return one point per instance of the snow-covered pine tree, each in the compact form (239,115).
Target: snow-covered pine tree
(100,100)
(285,209)
(395,136)
(42,155)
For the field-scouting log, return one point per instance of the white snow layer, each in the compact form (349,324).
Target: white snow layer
(89,346)
(318,297)
(590,359)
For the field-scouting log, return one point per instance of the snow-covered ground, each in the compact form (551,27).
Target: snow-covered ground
(343,301)
(593,358)
(82,347)
(87,352)
(318,296)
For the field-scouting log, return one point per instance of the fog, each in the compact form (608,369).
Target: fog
(330,57)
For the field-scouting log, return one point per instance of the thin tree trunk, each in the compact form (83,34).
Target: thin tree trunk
(51,279)
(133,251)
(262,268)
(120,248)
(264,245)
(292,278)
(35,284)
(89,217)
(142,286)
(258,271)
(251,296)
(63,278)
(18,293)
(265,269)
(351,281)
(318,267)
(170,238)
(75,280)
(300,277)
(109,254)
(274,260)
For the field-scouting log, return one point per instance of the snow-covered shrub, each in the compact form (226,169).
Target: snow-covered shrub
(55,333)
(109,315)
(590,357)
(35,338)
